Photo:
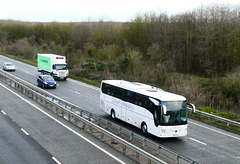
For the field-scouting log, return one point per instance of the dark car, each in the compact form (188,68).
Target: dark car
(46,81)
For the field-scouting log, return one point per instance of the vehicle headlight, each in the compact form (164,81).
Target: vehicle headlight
(45,82)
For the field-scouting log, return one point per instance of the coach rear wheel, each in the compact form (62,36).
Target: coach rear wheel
(113,114)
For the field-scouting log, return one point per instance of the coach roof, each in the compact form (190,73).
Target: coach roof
(146,90)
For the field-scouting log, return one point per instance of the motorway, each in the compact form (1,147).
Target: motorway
(204,143)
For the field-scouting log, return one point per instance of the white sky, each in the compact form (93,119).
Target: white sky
(95,10)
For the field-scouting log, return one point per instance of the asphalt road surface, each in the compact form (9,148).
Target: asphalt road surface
(18,147)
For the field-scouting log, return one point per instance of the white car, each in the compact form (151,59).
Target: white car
(8,66)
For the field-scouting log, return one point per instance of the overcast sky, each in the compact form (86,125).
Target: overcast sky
(96,10)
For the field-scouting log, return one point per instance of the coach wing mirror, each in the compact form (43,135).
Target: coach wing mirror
(192,106)
(155,102)
(164,108)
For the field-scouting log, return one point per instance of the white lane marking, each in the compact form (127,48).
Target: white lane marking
(198,141)
(24,131)
(92,143)
(77,92)
(3,112)
(237,138)
(27,72)
(56,160)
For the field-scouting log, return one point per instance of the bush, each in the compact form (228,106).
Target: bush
(231,90)
(126,64)
(22,48)
(230,86)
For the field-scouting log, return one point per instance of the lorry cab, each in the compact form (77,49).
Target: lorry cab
(60,71)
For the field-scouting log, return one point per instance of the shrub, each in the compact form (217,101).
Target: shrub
(230,87)
(22,48)
(126,64)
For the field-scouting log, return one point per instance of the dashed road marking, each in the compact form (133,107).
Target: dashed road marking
(3,112)
(24,131)
(77,92)
(197,141)
(56,160)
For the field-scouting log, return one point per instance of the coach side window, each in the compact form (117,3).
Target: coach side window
(108,89)
(138,99)
(129,96)
(104,88)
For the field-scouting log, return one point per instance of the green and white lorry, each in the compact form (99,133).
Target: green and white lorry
(52,64)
